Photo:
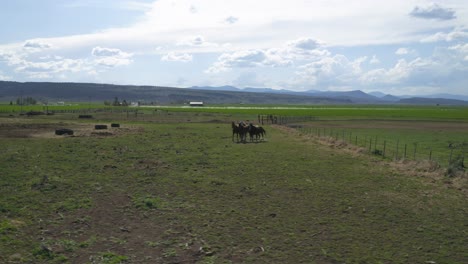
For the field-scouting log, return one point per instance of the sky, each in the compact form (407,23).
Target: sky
(409,47)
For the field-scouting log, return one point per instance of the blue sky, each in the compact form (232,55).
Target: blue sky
(411,47)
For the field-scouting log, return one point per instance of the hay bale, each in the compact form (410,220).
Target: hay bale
(115,125)
(85,116)
(33,113)
(97,127)
(63,131)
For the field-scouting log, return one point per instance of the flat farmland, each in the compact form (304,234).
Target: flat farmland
(437,140)
(184,192)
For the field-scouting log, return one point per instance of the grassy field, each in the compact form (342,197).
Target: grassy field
(395,112)
(439,141)
(156,192)
(325,112)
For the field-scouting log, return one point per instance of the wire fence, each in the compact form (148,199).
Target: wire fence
(396,148)
(391,148)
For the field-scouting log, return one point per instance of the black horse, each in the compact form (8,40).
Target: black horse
(240,130)
(256,132)
(235,131)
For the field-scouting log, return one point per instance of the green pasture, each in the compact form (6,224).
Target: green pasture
(185,193)
(6,108)
(394,112)
(440,141)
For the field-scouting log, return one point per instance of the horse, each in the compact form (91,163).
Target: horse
(262,132)
(235,131)
(256,132)
(240,130)
(243,130)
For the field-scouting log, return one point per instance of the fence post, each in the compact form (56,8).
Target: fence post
(397,145)
(415,147)
(451,152)
(356,141)
(375,144)
(405,152)
(384,145)
(370,145)
(430,154)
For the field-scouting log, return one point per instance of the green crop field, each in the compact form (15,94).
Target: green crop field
(172,187)
(339,112)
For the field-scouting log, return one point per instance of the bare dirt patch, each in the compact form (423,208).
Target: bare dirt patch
(47,130)
(114,225)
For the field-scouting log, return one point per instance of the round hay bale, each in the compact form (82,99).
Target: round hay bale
(115,125)
(63,131)
(100,126)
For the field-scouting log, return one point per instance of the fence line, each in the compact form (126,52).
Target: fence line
(391,148)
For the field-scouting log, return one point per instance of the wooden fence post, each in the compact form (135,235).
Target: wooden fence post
(415,147)
(397,145)
(384,145)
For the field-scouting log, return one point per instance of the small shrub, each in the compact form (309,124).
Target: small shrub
(100,127)
(44,253)
(112,258)
(377,152)
(63,131)
(148,202)
(456,166)
(7,227)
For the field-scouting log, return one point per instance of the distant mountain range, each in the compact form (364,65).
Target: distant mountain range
(86,92)
(356,96)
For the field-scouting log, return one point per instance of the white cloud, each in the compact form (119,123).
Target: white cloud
(305,49)
(448,37)
(433,11)
(110,57)
(305,44)
(231,19)
(174,56)
(52,68)
(401,71)
(105,52)
(374,60)
(45,64)
(244,59)
(4,77)
(404,51)
(36,45)
(461,49)
(196,41)
(193,9)
(335,70)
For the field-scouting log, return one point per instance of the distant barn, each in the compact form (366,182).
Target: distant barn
(196,103)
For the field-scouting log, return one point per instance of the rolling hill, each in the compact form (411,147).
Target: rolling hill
(87,92)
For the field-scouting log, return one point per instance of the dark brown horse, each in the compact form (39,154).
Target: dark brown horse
(235,131)
(240,130)
(256,132)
